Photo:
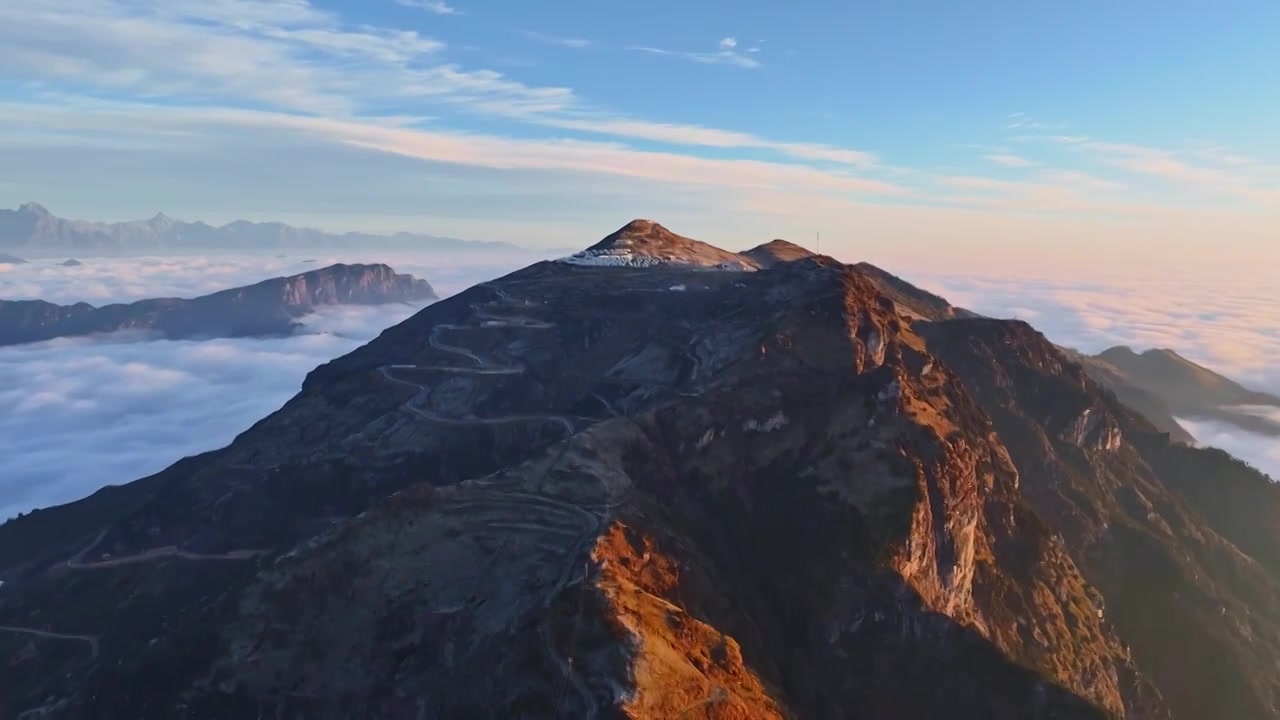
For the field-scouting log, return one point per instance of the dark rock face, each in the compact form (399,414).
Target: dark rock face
(270,307)
(578,492)
(1183,543)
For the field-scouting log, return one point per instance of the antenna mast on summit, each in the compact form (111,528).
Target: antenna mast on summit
(819,239)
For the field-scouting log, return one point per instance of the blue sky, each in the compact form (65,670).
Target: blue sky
(1009,129)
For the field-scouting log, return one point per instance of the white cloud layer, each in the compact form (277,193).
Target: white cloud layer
(1236,334)
(78,414)
(1260,451)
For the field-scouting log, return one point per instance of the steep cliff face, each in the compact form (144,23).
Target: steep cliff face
(266,308)
(1173,536)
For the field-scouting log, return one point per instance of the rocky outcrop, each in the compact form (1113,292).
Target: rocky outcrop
(270,307)
(575,492)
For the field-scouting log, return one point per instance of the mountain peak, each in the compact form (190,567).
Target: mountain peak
(34,208)
(161,222)
(1118,351)
(640,233)
(948,497)
(777,251)
(644,242)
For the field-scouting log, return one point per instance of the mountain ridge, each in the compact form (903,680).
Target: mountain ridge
(33,230)
(636,491)
(1165,386)
(1159,384)
(269,307)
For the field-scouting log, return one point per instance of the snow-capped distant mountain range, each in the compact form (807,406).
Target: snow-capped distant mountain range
(33,231)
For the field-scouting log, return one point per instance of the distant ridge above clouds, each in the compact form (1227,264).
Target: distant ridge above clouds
(268,308)
(36,232)
(1181,388)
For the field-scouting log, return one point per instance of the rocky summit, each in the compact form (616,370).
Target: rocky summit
(699,484)
(270,307)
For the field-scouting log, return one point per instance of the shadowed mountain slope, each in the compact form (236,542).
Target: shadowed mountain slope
(1182,388)
(669,490)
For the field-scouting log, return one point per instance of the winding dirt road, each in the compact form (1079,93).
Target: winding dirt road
(593,517)
(521,501)
(596,516)
(164,552)
(76,562)
(480,367)
(91,639)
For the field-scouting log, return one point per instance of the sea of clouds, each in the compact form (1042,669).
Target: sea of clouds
(78,414)
(1229,324)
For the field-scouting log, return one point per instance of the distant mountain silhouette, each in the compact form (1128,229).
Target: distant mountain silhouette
(1162,384)
(36,232)
(270,307)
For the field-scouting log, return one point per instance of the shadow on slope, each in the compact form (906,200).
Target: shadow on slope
(1173,536)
